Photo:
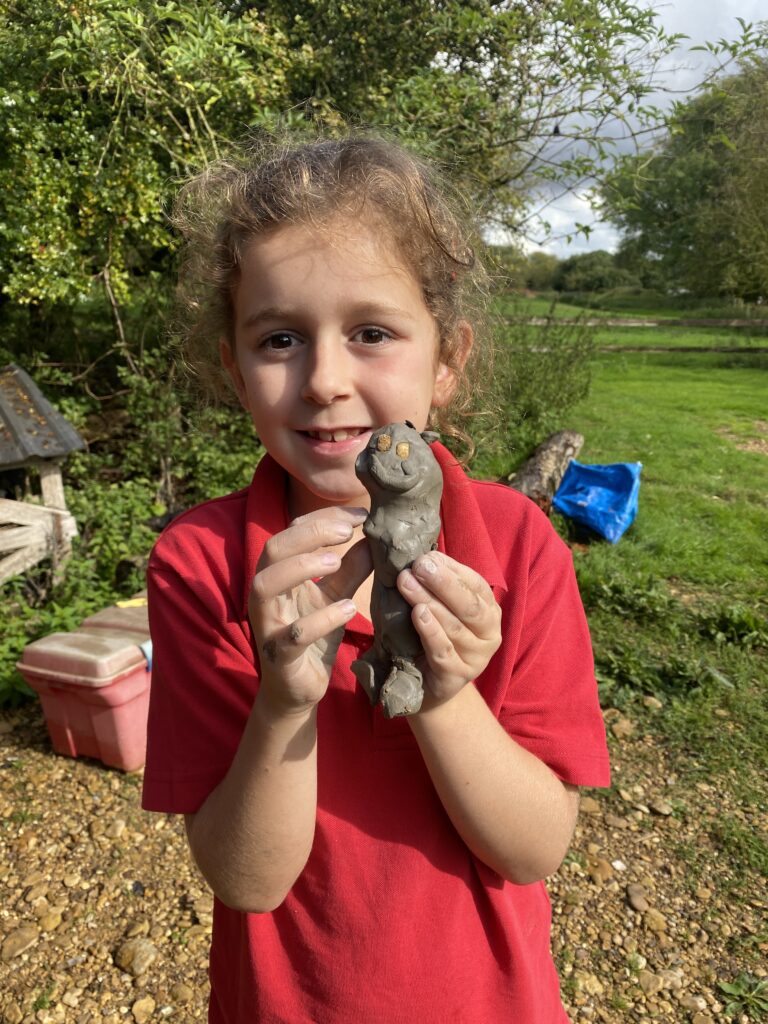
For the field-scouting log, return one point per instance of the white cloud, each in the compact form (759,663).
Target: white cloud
(701,21)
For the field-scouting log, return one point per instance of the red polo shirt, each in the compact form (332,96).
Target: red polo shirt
(393,920)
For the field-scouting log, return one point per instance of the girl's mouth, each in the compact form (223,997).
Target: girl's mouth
(334,435)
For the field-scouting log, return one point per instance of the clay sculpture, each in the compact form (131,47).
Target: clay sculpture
(405,483)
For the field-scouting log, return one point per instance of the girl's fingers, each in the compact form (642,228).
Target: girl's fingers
(281,577)
(288,643)
(439,649)
(310,532)
(355,567)
(436,580)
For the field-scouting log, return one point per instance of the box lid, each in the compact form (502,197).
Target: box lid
(132,619)
(86,657)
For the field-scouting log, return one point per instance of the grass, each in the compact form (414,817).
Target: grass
(678,609)
(703,516)
(515,306)
(675,337)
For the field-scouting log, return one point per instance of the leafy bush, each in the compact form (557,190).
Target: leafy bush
(541,372)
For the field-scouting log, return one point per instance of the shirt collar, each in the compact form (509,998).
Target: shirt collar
(464,536)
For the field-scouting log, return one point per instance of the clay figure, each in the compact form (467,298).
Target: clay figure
(405,483)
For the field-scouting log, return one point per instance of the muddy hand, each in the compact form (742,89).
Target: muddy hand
(300,600)
(457,618)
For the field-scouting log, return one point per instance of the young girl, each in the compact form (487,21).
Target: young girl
(365,869)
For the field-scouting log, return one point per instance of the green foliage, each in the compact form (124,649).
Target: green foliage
(540,373)
(736,624)
(595,271)
(102,105)
(746,994)
(695,208)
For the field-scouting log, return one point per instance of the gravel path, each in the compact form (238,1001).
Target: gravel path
(104,919)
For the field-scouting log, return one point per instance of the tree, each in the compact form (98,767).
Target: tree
(106,103)
(102,106)
(594,271)
(697,204)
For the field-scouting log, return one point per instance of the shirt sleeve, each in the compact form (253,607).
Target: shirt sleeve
(203,684)
(551,703)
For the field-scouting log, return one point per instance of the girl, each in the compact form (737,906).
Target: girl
(365,869)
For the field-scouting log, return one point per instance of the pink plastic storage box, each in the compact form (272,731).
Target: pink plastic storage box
(130,619)
(93,685)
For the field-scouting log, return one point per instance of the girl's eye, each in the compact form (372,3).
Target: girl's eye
(280,341)
(372,335)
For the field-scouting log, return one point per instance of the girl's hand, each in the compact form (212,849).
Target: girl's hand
(299,602)
(457,618)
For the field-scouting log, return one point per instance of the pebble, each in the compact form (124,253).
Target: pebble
(622,728)
(588,983)
(136,955)
(115,829)
(599,870)
(143,1009)
(655,921)
(19,941)
(636,898)
(589,805)
(661,806)
(181,993)
(650,983)
(692,1002)
(613,821)
(703,1018)
(653,703)
(50,921)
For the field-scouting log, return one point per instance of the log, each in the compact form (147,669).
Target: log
(540,475)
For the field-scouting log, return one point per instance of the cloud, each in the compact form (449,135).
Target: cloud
(679,74)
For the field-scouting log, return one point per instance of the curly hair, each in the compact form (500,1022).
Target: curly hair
(267,183)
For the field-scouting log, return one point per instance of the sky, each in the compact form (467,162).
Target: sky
(702,21)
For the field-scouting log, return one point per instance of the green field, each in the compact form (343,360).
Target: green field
(678,609)
(682,337)
(686,417)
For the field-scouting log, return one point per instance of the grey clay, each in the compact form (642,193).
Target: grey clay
(405,483)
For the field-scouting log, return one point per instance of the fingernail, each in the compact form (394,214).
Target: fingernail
(408,582)
(427,565)
(343,530)
(348,609)
(329,558)
(425,615)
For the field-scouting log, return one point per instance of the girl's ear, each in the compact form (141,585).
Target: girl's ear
(446,378)
(229,362)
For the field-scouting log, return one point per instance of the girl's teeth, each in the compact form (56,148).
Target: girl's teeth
(335,435)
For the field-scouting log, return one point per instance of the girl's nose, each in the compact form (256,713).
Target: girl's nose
(327,372)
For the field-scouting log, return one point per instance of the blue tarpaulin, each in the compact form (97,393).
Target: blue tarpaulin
(604,498)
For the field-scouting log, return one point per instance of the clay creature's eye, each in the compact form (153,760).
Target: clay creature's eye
(384,443)
(403,449)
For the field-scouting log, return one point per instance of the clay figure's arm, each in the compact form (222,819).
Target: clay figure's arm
(511,810)
(252,836)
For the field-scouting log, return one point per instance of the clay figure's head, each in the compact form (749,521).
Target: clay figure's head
(397,458)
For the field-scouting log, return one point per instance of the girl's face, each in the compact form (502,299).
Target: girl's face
(332,340)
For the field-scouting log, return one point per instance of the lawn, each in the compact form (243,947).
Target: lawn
(688,418)
(682,337)
(679,607)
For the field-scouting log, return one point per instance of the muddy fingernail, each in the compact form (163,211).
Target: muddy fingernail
(427,565)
